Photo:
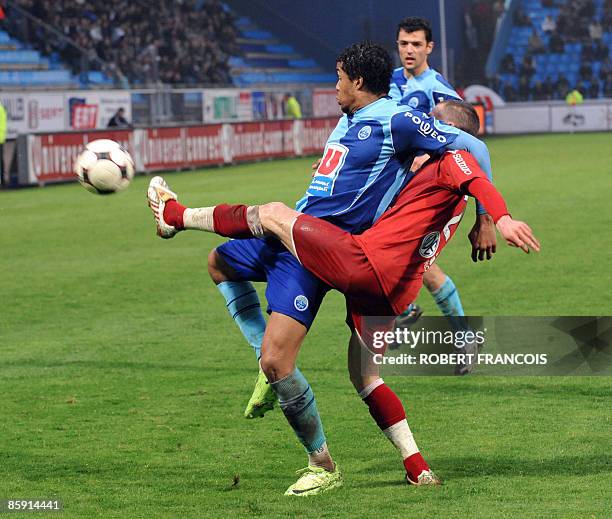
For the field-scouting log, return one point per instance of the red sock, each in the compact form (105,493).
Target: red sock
(385,407)
(387,410)
(173,214)
(231,221)
(414,465)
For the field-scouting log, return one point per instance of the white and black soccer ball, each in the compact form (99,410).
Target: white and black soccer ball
(104,167)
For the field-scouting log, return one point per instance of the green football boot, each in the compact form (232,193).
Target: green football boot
(315,480)
(262,400)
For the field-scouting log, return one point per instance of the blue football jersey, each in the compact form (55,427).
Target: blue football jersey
(422,92)
(366,159)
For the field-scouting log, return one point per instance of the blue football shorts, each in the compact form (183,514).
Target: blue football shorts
(291,290)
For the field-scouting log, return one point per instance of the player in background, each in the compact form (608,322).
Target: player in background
(420,87)
(364,266)
(356,182)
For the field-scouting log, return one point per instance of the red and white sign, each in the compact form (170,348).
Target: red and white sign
(315,133)
(254,141)
(204,145)
(51,156)
(84,117)
(106,102)
(160,148)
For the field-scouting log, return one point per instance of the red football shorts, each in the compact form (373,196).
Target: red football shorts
(335,257)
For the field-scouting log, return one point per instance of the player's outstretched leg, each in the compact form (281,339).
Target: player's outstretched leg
(389,414)
(282,342)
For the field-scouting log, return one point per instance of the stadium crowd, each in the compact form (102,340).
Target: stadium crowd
(576,23)
(182,41)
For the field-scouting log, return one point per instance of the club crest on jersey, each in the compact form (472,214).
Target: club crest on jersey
(413,102)
(301,303)
(364,133)
(429,245)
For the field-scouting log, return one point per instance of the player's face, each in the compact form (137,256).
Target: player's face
(413,50)
(346,90)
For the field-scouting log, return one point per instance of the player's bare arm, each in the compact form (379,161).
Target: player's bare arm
(482,238)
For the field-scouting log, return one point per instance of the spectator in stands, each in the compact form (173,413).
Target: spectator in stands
(587,54)
(527,67)
(601,51)
(175,42)
(606,68)
(592,91)
(606,20)
(607,86)
(549,25)
(523,89)
(548,3)
(293,109)
(562,87)
(535,43)
(556,45)
(509,92)
(508,65)
(585,71)
(549,87)
(595,31)
(118,120)
(539,92)
(521,19)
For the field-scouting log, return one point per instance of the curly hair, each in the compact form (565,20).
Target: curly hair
(414,24)
(368,61)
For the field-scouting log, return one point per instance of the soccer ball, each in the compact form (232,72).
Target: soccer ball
(104,167)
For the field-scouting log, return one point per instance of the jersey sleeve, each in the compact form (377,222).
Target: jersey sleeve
(394,92)
(457,169)
(414,131)
(479,150)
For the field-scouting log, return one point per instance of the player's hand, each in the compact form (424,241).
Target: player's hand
(483,238)
(315,165)
(517,234)
(418,162)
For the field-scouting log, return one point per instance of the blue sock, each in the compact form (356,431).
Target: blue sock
(297,401)
(447,299)
(243,305)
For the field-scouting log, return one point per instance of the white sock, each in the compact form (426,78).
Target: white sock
(400,435)
(199,219)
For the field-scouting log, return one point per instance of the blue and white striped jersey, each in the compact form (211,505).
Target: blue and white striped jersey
(422,92)
(366,160)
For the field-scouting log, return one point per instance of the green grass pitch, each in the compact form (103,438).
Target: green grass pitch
(123,380)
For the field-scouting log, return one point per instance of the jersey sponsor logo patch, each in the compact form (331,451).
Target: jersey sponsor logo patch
(333,159)
(364,133)
(335,155)
(429,245)
(425,128)
(301,303)
(460,161)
